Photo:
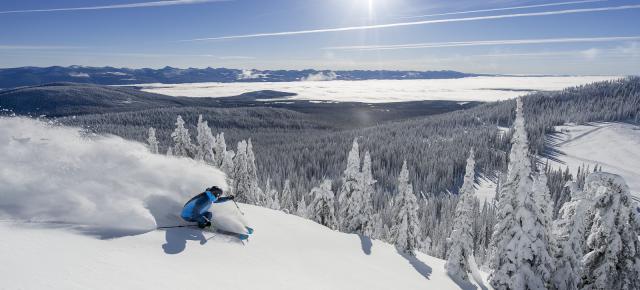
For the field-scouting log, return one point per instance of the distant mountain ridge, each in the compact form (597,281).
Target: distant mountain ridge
(31,76)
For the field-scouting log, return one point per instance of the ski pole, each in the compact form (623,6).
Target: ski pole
(234,202)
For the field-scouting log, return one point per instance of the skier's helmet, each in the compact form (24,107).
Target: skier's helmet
(216,191)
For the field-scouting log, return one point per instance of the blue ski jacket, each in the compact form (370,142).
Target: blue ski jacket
(199,205)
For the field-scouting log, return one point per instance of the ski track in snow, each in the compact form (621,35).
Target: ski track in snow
(482,89)
(614,146)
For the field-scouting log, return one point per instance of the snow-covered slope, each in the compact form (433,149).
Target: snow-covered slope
(60,191)
(614,146)
(285,252)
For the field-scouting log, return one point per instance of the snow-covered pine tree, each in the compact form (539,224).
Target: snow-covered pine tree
(521,239)
(170,151)
(152,141)
(569,230)
(206,142)
(405,231)
(228,164)
(301,209)
(286,198)
(271,195)
(220,149)
(378,227)
(367,219)
(322,208)
(182,145)
(349,197)
(612,259)
(485,225)
(461,250)
(257,195)
(241,183)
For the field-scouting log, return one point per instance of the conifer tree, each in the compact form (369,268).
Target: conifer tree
(206,142)
(570,232)
(228,164)
(612,259)
(521,237)
(220,149)
(367,220)
(321,208)
(256,194)
(286,198)
(271,195)
(461,250)
(405,231)
(182,145)
(349,198)
(152,141)
(301,210)
(241,180)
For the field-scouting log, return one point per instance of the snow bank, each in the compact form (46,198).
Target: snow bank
(106,185)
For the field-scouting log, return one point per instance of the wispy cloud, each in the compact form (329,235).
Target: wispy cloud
(117,6)
(36,47)
(422,22)
(58,50)
(483,43)
(505,8)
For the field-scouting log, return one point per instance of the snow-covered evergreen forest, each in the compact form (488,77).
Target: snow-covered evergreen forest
(411,182)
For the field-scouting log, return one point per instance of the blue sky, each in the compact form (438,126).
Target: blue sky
(495,36)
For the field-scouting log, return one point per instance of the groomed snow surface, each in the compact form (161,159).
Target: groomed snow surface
(80,213)
(484,89)
(614,146)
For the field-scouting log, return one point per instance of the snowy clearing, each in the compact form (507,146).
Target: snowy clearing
(614,146)
(483,89)
(485,189)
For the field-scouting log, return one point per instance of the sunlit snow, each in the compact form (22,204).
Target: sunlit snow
(614,146)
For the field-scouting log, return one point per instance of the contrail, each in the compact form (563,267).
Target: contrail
(483,43)
(118,6)
(505,8)
(422,22)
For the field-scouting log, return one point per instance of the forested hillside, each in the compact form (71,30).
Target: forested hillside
(291,146)
(294,153)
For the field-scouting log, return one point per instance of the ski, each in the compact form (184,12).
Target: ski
(178,226)
(241,237)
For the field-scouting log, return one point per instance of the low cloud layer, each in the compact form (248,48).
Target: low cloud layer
(484,89)
(53,174)
(320,76)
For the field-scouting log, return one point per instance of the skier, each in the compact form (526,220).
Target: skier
(197,208)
